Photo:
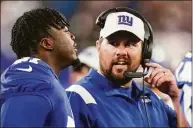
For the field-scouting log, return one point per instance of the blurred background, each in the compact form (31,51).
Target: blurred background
(171,22)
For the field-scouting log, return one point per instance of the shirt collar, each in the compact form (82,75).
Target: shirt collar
(102,83)
(135,91)
(46,67)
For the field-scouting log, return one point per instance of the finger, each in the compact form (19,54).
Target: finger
(147,80)
(167,72)
(157,77)
(161,81)
(155,72)
(153,65)
(168,77)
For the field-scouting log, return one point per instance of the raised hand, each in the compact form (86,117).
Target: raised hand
(163,79)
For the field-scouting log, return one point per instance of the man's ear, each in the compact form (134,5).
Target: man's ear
(47,43)
(98,44)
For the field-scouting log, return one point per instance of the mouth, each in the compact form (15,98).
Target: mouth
(74,47)
(120,63)
(120,66)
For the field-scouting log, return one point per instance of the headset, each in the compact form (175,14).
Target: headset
(148,40)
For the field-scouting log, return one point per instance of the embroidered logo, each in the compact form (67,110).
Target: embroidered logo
(29,69)
(126,20)
(145,99)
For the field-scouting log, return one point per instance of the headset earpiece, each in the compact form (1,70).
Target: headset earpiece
(148,42)
(146,53)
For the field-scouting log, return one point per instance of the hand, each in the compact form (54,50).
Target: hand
(163,79)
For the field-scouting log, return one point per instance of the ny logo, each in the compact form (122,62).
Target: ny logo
(122,19)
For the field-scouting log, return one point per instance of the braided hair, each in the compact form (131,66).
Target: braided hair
(31,27)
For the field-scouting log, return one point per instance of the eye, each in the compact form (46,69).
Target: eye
(114,43)
(129,44)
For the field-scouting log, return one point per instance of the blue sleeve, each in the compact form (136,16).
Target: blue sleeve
(24,111)
(82,115)
(172,118)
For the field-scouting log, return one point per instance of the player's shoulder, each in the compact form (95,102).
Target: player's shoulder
(81,90)
(188,55)
(80,85)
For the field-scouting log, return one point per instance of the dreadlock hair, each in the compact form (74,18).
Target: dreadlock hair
(31,27)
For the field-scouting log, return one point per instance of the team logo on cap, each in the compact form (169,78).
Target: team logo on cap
(126,20)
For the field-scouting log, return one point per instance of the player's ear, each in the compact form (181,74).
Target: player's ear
(47,43)
(98,43)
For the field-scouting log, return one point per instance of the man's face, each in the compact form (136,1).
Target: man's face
(64,45)
(118,53)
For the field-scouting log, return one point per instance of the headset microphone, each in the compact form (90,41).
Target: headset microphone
(130,75)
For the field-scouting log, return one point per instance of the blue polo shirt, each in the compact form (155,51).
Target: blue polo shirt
(96,102)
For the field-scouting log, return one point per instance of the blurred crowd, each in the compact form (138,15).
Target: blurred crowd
(171,22)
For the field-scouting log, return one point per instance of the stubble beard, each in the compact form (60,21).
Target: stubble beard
(116,81)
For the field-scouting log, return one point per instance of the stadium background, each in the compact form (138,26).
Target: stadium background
(171,22)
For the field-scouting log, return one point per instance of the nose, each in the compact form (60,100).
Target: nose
(121,51)
(72,36)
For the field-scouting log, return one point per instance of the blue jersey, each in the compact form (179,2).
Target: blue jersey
(96,103)
(183,71)
(183,76)
(32,96)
